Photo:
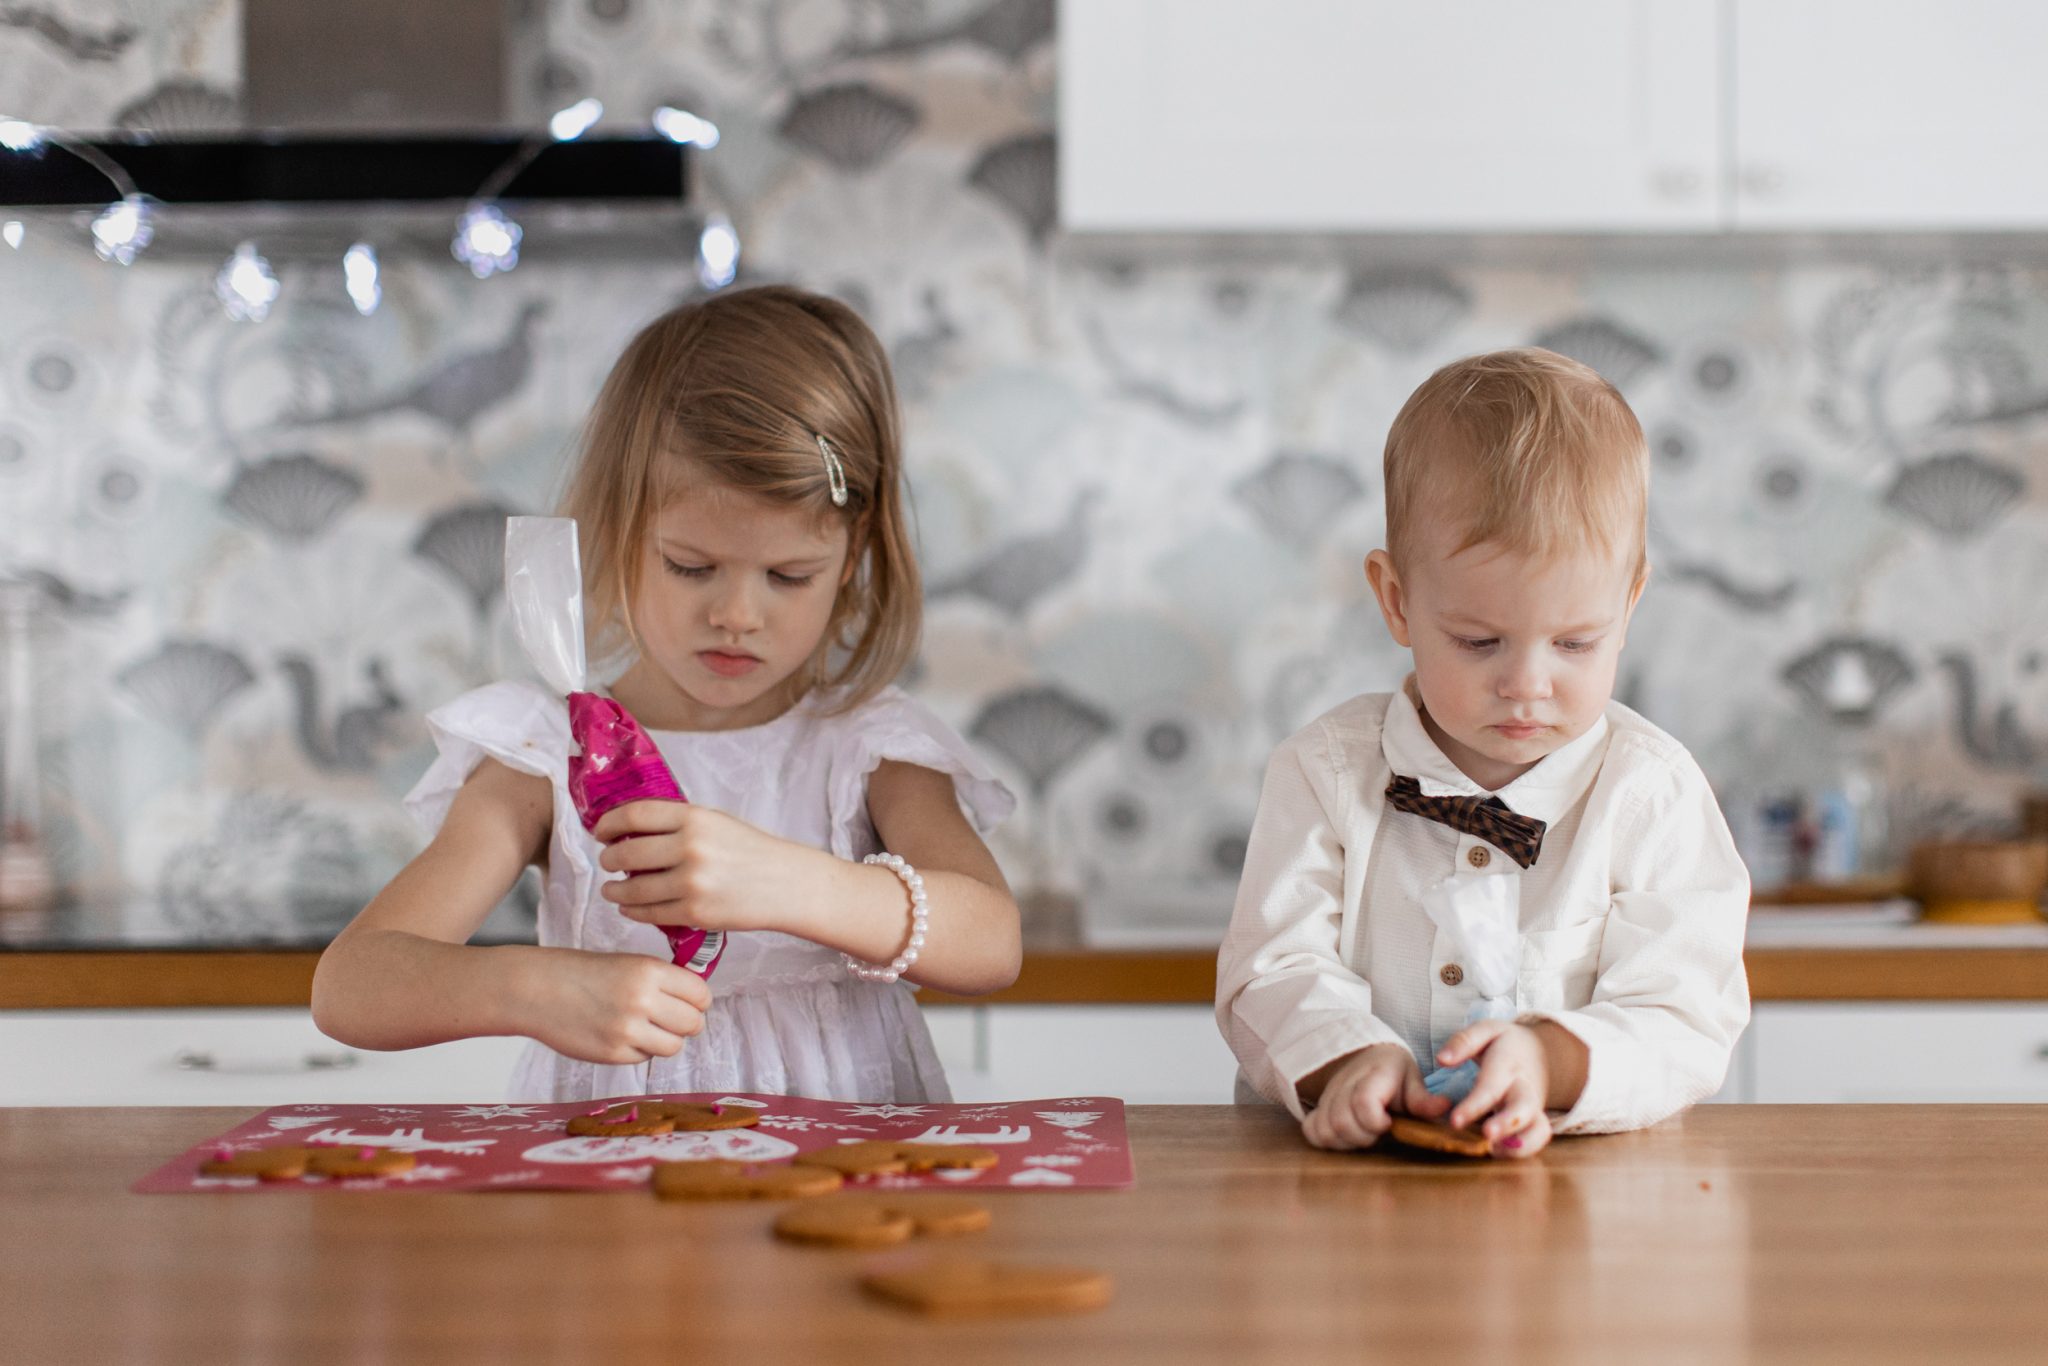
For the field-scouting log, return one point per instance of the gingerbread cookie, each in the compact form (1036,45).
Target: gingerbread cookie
(720,1179)
(1438,1138)
(977,1287)
(348,1162)
(644,1118)
(844,1223)
(265,1164)
(855,1222)
(880,1157)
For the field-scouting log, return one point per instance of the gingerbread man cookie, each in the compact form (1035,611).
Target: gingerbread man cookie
(645,1118)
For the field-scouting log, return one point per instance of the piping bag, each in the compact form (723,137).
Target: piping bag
(617,761)
(1481,917)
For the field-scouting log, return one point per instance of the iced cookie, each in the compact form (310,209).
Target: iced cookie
(978,1287)
(265,1164)
(346,1162)
(720,1179)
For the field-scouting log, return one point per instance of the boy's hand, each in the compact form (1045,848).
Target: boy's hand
(616,1007)
(1364,1093)
(1512,1089)
(694,865)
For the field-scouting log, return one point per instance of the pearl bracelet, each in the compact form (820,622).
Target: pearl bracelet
(919,915)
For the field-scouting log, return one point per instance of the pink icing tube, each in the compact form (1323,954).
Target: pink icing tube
(620,764)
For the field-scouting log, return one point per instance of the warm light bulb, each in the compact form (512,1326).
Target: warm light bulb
(681,126)
(246,286)
(486,241)
(360,274)
(718,253)
(122,230)
(569,124)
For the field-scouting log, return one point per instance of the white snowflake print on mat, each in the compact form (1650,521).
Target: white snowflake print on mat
(1051,1160)
(884,1111)
(1079,1101)
(425,1174)
(1092,1147)
(1041,1176)
(627,1173)
(494,1111)
(298,1121)
(742,1100)
(405,1140)
(804,1124)
(513,1178)
(953,1133)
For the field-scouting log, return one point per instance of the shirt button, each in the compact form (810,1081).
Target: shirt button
(1452,974)
(1478,856)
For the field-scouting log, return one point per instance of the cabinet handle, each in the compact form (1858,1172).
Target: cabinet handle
(199,1060)
(1764,182)
(1676,182)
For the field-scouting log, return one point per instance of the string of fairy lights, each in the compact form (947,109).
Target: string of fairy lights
(486,237)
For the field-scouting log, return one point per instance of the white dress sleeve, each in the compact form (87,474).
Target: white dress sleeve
(525,727)
(896,726)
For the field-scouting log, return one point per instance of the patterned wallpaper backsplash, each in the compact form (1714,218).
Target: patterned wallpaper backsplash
(1144,481)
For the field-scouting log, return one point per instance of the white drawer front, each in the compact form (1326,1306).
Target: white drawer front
(228,1057)
(1147,1055)
(1957,1054)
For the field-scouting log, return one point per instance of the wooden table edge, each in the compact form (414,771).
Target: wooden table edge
(224,978)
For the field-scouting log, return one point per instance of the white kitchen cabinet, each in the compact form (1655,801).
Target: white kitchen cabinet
(228,1057)
(1887,1053)
(1145,1055)
(1889,113)
(1390,115)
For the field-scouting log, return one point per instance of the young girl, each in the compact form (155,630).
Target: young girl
(743,538)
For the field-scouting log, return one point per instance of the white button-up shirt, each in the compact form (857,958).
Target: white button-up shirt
(1631,919)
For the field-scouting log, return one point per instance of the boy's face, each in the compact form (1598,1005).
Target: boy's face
(1514,657)
(734,598)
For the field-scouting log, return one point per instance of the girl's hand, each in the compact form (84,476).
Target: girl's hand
(693,865)
(1363,1094)
(1513,1084)
(617,1007)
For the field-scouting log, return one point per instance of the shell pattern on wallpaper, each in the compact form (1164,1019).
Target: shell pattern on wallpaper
(1144,484)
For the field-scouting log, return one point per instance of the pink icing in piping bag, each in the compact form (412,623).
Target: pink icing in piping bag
(617,761)
(621,764)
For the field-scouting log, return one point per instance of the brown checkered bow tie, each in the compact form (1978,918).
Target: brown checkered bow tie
(1519,837)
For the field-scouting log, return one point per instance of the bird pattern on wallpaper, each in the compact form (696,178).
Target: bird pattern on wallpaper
(1021,571)
(460,390)
(1847,419)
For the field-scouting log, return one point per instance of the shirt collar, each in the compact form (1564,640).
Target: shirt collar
(1545,792)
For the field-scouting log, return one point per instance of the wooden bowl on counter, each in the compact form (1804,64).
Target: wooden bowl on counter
(1979,882)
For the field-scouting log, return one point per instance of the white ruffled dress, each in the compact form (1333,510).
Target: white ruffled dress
(787,1018)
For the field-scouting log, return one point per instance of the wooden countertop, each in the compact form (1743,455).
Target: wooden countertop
(1735,1233)
(157,978)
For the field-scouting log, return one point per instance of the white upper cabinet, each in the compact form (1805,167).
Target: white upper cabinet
(1890,113)
(1390,115)
(1573,115)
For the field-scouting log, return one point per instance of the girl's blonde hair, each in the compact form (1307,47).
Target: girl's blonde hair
(734,390)
(1525,449)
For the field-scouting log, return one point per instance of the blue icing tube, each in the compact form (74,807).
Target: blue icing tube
(1453,1083)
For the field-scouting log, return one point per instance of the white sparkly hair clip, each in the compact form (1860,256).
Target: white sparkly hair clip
(835,473)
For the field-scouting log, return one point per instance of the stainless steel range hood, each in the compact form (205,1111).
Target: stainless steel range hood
(398,111)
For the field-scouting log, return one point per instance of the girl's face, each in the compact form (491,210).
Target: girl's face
(734,597)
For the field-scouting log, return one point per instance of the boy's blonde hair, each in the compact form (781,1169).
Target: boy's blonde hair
(1525,449)
(734,391)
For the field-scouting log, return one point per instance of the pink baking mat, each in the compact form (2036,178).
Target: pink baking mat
(1068,1143)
